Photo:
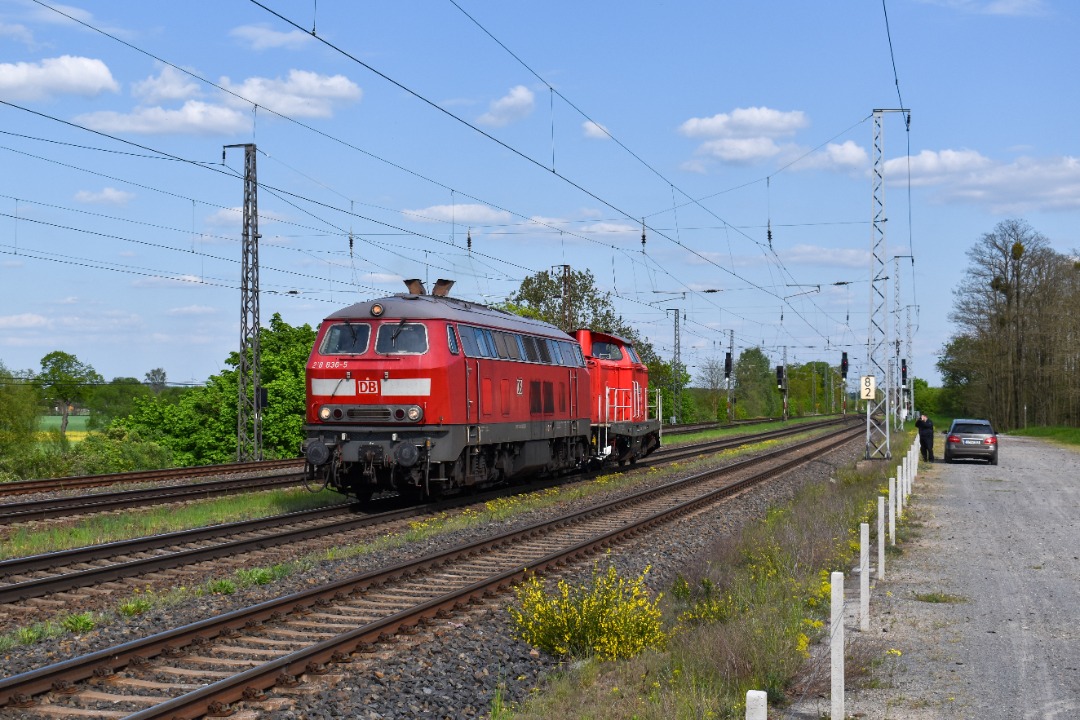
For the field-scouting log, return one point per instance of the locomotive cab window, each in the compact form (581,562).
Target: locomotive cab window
(401,338)
(606,351)
(451,340)
(346,339)
(633,355)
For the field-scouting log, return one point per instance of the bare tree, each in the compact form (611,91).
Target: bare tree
(712,380)
(1016,310)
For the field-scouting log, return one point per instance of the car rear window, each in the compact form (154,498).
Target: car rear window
(973,428)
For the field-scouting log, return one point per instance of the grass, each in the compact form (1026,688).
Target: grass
(76,429)
(1064,435)
(676,440)
(29,540)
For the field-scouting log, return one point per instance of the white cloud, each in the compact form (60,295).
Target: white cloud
(994,7)
(515,105)
(1015,7)
(225,217)
(474,213)
(739,150)
(22,321)
(184,281)
(827,256)
(747,123)
(105,196)
(260,37)
(611,227)
(194,118)
(193,310)
(1023,185)
(743,136)
(169,84)
(594,130)
(301,94)
(65,75)
(234,218)
(848,155)
(694,166)
(19,33)
(930,168)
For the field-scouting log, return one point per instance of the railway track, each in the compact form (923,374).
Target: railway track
(28,487)
(25,511)
(204,667)
(64,571)
(288,473)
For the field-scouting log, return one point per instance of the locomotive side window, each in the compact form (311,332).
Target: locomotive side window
(478,342)
(401,338)
(507,345)
(556,352)
(486,343)
(468,340)
(579,355)
(531,351)
(569,353)
(451,340)
(545,351)
(633,355)
(346,339)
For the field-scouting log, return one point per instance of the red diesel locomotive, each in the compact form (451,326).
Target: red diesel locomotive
(426,394)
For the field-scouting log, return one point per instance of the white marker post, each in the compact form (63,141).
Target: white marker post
(881,537)
(864,577)
(892,511)
(836,633)
(757,705)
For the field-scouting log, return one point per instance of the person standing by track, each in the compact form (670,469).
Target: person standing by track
(926,437)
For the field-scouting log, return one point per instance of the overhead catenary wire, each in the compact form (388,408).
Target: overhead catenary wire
(404,231)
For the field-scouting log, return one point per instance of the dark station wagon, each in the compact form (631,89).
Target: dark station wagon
(971,439)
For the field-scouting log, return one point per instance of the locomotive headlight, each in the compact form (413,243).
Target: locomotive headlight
(414,413)
(324,413)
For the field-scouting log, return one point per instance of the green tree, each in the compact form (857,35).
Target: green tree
(114,400)
(156,379)
(199,424)
(584,306)
(755,386)
(711,379)
(66,380)
(19,411)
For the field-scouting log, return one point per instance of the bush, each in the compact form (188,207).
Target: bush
(609,617)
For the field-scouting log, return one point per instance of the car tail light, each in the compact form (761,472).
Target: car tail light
(953,439)
(990,441)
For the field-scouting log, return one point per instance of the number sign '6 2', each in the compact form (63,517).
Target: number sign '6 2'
(867,386)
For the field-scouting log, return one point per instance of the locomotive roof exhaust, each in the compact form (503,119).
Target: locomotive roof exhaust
(441,289)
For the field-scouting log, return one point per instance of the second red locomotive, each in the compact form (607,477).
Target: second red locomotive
(426,394)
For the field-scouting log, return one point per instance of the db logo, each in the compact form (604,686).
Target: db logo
(367,387)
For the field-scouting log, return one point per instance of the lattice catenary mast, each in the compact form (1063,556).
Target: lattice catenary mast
(877,343)
(249,406)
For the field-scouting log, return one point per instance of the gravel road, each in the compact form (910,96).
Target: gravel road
(1002,545)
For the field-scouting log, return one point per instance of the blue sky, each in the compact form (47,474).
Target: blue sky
(546,133)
